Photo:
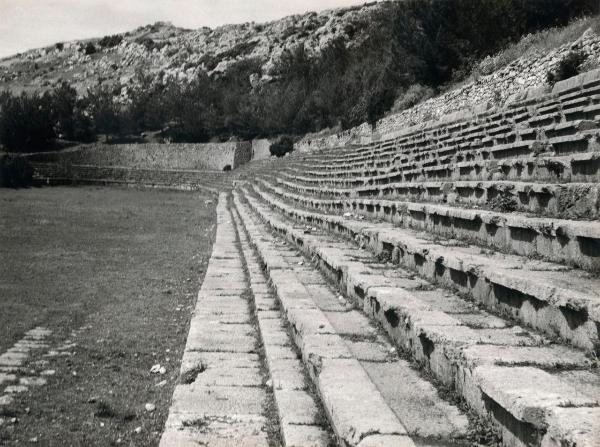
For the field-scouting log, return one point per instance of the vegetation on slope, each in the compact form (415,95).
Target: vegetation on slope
(407,50)
(542,41)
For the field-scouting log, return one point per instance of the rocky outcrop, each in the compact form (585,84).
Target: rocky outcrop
(168,52)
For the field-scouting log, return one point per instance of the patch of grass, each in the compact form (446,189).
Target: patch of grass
(91,264)
(415,94)
(190,375)
(104,410)
(360,337)
(503,203)
(195,423)
(540,42)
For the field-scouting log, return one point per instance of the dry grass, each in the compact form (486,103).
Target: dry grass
(540,43)
(122,267)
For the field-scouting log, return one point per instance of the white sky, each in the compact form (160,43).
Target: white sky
(26,24)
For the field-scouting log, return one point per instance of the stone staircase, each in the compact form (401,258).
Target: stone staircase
(439,287)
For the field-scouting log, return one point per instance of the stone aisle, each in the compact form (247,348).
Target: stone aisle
(221,398)
(302,421)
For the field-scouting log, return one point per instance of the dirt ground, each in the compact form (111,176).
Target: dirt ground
(113,273)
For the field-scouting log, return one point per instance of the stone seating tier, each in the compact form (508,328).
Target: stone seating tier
(480,349)
(572,242)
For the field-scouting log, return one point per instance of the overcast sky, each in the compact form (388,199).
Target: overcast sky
(26,24)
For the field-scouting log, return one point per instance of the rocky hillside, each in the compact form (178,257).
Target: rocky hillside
(168,52)
(331,70)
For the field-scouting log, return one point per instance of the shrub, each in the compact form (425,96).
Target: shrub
(67,114)
(568,67)
(282,146)
(110,41)
(539,42)
(89,48)
(150,44)
(59,46)
(415,94)
(15,171)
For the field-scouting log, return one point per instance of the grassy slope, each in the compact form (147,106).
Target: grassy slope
(115,265)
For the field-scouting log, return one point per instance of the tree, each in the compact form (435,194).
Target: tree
(63,101)
(105,112)
(26,123)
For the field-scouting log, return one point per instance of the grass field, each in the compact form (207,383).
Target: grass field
(114,272)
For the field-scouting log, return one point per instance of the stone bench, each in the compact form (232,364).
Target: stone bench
(550,297)
(557,139)
(567,200)
(579,167)
(571,242)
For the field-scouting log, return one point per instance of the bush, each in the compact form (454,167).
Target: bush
(415,94)
(15,171)
(89,48)
(110,41)
(150,44)
(568,67)
(282,146)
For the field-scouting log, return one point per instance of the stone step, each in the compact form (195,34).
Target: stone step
(240,382)
(558,300)
(301,419)
(221,395)
(582,142)
(344,387)
(584,167)
(357,371)
(560,200)
(560,137)
(407,163)
(506,130)
(501,370)
(571,242)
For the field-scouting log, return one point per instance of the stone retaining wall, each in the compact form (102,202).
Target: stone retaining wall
(217,156)
(261,149)
(61,173)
